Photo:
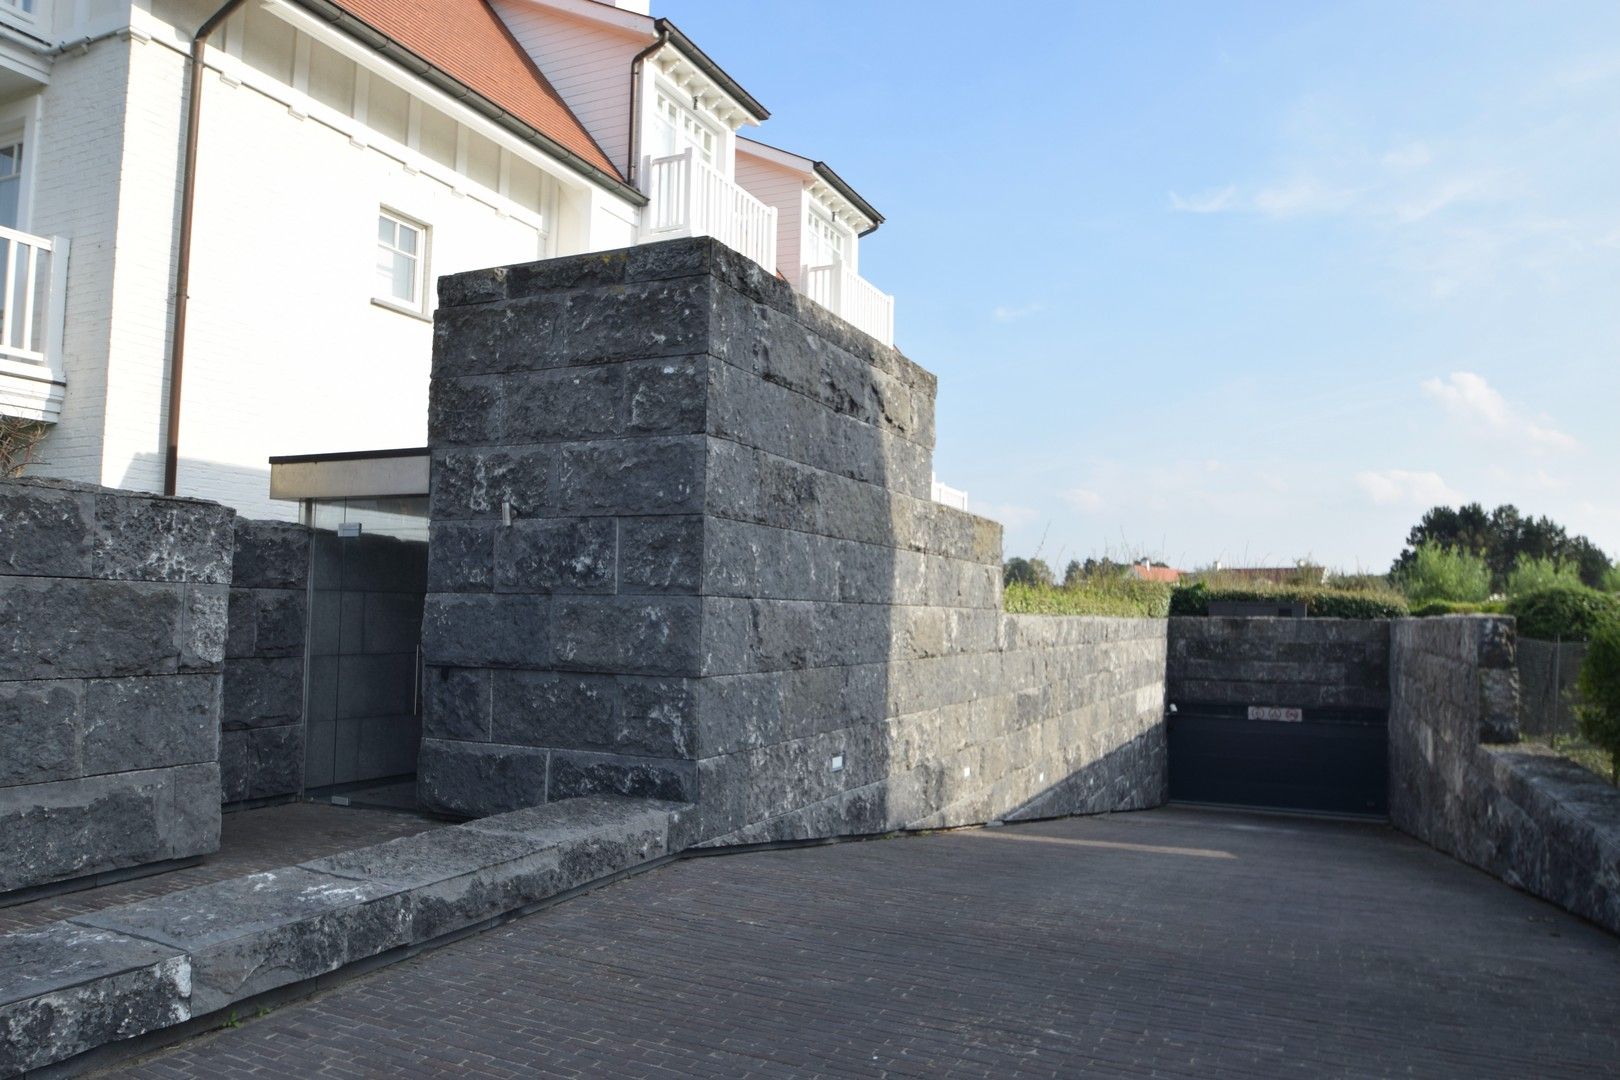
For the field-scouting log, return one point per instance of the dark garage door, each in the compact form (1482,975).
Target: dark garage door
(1322,760)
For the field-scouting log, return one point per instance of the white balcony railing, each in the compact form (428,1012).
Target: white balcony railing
(690,198)
(851,297)
(33,286)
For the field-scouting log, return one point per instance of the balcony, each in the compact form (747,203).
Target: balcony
(687,197)
(33,286)
(852,298)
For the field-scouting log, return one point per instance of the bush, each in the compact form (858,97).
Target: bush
(1598,687)
(1441,573)
(1431,608)
(1563,612)
(1534,574)
(1126,597)
(1611,579)
(1319,603)
(1026,572)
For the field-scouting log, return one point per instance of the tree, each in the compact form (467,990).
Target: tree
(1611,579)
(1073,574)
(1026,572)
(1598,689)
(1537,572)
(1503,537)
(1445,573)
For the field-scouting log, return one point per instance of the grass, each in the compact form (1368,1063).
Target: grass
(1581,753)
(1118,596)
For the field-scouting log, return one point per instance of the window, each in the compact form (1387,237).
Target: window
(826,240)
(680,127)
(401,257)
(10,183)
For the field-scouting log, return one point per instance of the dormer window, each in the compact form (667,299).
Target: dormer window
(827,240)
(679,127)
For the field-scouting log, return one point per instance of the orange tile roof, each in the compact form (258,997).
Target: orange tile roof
(1156,573)
(467,41)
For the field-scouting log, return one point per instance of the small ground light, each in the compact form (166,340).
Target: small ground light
(838,763)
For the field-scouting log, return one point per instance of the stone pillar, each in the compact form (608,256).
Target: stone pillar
(261,750)
(112,635)
(683,546)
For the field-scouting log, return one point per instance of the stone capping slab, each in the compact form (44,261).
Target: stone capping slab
(129,970)
(66,988)
(1589,799)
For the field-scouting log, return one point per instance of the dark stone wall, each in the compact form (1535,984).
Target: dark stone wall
(1293,663)
(112,637)
(261,749)
(682,546)
(1459,782)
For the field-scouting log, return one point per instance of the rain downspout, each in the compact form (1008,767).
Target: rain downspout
(182,276)
(633,154)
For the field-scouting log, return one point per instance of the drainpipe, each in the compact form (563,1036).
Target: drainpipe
(182,275)
(634,153)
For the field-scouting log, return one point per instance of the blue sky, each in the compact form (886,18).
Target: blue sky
(1246,282)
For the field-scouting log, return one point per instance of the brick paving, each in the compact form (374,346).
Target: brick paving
(1167,943)
(250,841)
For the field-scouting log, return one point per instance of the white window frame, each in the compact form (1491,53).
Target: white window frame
(423,256)
(687,119)
(816,215)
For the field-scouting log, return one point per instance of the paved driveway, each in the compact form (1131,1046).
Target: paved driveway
(1167,943)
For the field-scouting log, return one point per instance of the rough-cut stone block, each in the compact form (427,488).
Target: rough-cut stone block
(576,773)
(632,476)
(49,528)
(65,989)
(668,396)
(476,779)
(477,483)
(162,539)
(44,632)
(262,692)
(40,725)
(204,626)
(461,556)
(251,934)
(565,404)
(657,717)
(150,723)
(629,635)
(516,335)
(454,877)
(556,555)
(660,554)
(72,828)
(466,411)
(628,322)
(456,704)
(270,555)
(547,708)
(596,836)
(486,631)
(261,763)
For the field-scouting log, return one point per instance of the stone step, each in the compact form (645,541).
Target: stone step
(131,970)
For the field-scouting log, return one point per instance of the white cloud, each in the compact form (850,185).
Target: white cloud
(1083,499)
(1206,202)
(1398,487)
(1470,398)
(1304,195)
(1013,314)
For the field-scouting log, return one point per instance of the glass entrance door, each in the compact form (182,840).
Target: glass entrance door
(367,587)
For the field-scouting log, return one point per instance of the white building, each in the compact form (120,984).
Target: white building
(251,201)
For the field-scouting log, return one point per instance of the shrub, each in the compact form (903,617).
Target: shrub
(1533,574)
(1026,572)
(1598,687)
(1563,612)
(19,444)
(1319,603)
(1611,579)
(1441,573)
(1118,596)
(1430,608)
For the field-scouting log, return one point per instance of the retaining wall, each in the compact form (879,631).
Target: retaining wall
(261,749)
(1458,782)
(1295,663)
(112,637)
(683,547)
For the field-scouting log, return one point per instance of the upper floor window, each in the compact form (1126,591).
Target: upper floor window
(10,183)
(678,127)
(401,260)
(827,241)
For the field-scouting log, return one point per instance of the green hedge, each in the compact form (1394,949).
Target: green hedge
(1125,597)
(1563,612)
(1431,608)
(1320,603)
